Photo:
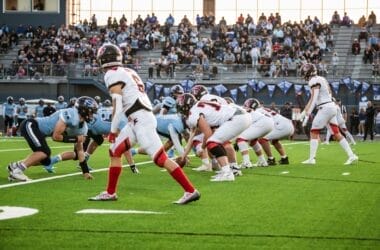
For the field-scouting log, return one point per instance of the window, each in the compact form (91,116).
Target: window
(31,6)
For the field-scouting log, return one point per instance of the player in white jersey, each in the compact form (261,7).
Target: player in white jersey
(321,99)
(283,127)
(129,99)
(341,124)
(260,126)
(200,92)
(219,123)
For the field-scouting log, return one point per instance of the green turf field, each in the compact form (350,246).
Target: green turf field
(326,206)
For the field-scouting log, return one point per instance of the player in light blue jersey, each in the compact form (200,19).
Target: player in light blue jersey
(67,125)
(170,126)
(9,112)
(21,112)
(61,104)
(39,109)
(97,128)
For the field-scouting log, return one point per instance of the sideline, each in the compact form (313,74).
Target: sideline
(93,171)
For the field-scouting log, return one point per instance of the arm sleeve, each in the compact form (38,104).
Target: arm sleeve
(175,139)
(313,101)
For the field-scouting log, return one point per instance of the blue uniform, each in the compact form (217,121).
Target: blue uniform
(21,111)
(71,118)
(163,122)
(105,113)
(98,126)
(60,105)
(39,111)
(9,109)
(170,104)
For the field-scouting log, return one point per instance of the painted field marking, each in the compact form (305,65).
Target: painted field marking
(7,212)
(111,211)
(346,173)
(284,172)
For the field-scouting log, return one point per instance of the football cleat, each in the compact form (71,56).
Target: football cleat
(134,169)
(223,176)
(284,161)
(236,170)
(104,196)
(15,173)
(352,159)
(188,197)
(272,162)
(261,163)
(50,168)
(309,162)
(203,168)
(246,165)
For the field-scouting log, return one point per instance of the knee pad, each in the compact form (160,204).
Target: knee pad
(120,148)
(216,149)
(160,158)
(257,147)
(242,144)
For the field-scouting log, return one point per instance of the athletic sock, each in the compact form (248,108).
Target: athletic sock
(182,179)
(246,158)
(205,161)
(346,147)
(113,177)
(313,148)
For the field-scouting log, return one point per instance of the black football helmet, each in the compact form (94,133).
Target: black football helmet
(41,102)
(308,70)
(251,103)
(198,91)
(109,55)
(86,106)
(185,102)
(176,90)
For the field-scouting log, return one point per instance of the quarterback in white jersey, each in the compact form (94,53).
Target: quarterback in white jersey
(129,99)
(321,99)
(219,123)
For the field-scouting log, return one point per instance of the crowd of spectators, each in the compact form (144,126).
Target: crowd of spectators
(271,47)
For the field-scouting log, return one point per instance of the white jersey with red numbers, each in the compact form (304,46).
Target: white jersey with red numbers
(324,95)
(134,88)
(141,126)
(215,114)
(213,98)
(283,127)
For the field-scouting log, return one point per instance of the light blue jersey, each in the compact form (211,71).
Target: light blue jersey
(98,126)
(105,113)
(21,111)
(39,111)
(9,109)
(60,105)
(163,122)
(69,116)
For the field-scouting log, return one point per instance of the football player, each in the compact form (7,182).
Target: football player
(321,99)
(21,112)
(61,104)
(129,99)
(219,123)
(67,125)
(9,113)
(39,109)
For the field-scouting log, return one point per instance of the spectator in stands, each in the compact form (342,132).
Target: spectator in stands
(368,55)
(94,23)
(373,40)
(362,22)
(252,27)
(335,19)
(240,19)
(335,63)
(255,56)
(363,34)
(346,21)
(376,68)
(355,47)
(372,17)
